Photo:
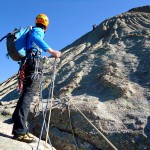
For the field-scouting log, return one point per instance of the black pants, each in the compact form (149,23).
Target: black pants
(30,87)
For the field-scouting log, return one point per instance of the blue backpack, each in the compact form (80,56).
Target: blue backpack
(16,43)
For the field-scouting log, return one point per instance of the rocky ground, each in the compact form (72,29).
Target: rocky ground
(6,141)
(106,75)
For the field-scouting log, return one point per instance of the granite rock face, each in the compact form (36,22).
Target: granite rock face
(106,75)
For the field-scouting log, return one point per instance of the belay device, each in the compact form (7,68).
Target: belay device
(16,43)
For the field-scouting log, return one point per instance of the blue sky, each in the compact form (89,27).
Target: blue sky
(69,20)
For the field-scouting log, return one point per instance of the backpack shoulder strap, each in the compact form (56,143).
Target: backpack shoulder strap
(4,37)
(30,28)
(15,31)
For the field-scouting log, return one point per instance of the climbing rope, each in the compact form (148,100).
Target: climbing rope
(113,147)
(50,97)
(44,112)
(72,128)
(44,125)
(52,91)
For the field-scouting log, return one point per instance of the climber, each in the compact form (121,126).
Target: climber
(94,26)
(35,42)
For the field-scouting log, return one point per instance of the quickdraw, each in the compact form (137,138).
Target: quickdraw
(21,77)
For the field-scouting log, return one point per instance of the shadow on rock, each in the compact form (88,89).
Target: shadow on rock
(5,135)
(11,96)
(147,128)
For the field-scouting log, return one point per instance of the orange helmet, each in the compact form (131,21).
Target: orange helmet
(43,19)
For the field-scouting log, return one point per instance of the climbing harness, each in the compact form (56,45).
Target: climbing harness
(35,75)
(37,59)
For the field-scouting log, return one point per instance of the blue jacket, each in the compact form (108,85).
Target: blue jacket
(36,38)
